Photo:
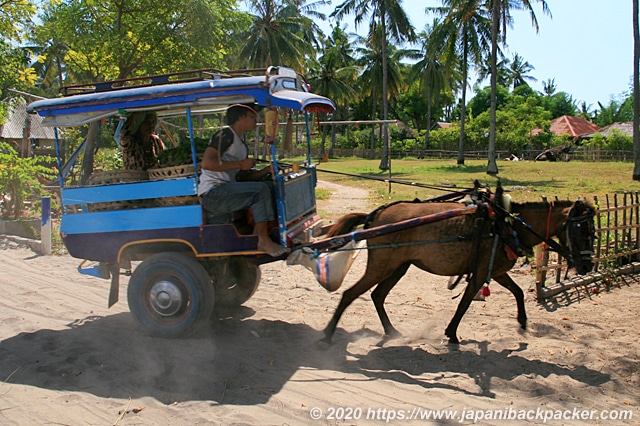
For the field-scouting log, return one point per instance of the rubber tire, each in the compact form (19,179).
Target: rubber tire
(187,277)
(237,285)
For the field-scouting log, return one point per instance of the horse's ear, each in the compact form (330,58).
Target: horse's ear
(577,209)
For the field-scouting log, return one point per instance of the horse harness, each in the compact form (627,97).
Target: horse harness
(493,219)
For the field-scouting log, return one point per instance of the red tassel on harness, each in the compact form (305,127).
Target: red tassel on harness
(486,292)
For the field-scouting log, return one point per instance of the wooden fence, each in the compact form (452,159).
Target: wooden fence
(616,249)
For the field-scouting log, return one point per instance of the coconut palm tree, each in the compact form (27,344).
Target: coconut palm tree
(371,60)
(500,19)
(394,24)
(465,33)
(549,87)
(636,93)
(518,71)
(432,73)
(336,75)
(585,111)
(280,34)
(483,71)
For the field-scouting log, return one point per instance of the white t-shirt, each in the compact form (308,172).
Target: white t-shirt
(230,148)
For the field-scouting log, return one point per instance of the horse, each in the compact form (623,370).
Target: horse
(484,245)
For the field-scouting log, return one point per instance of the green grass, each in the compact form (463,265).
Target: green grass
(525,180)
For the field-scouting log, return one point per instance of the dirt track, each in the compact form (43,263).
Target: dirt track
(67,359)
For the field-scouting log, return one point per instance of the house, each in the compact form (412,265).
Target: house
(574,127)
(440,125)
(622,127)
(25,132)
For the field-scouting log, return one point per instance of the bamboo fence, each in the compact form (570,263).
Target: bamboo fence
(616,248)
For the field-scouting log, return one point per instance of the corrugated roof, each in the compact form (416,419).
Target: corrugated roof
(572,126)
(14,126)
(624,127)
(440,125)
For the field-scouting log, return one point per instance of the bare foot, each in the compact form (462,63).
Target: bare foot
(273,249)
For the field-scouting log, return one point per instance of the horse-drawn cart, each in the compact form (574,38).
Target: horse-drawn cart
(190,262)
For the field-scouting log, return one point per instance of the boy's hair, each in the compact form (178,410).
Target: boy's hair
(237,111)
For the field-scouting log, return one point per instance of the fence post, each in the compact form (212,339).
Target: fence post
(542,261)
(45,226)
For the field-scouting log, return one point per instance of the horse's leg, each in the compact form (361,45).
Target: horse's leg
(380,294)
(469,293)
(364,284)
(505,281)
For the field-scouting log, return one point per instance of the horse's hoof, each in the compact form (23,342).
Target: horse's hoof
(323,344)
(387,337)
(453,339)
(392,334)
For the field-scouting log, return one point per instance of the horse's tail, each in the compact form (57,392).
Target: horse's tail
(346,223)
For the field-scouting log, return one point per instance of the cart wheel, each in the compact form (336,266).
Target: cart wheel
(170,294)
(235,282)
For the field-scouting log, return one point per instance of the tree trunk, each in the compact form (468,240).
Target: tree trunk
(492,166)
(87,159)
(636,93)
(385,163)
(463,109)
(372,143)
(332,143)
(425,145)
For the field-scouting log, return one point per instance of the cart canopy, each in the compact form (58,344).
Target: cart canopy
(276,86)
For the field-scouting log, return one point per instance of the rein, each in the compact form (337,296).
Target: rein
(553,245)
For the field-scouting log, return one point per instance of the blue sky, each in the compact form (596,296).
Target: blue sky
(586,46)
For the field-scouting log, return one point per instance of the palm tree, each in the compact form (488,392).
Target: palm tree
(585,111)
(279,34)
(483,71)
(371,60)
(500,19)
(518,71)
(432,72)
(465,32)
(636,93)
(336,75)
(390,17)
(549,87)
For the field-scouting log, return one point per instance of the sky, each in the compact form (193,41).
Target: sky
(586,46)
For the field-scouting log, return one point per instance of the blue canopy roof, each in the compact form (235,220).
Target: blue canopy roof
(170,99)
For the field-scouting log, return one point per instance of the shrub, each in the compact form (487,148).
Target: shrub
(21,179)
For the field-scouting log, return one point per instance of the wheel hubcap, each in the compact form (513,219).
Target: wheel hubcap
(166,298)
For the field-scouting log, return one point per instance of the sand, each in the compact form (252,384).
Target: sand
(67,359)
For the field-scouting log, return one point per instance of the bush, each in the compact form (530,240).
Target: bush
(21,179)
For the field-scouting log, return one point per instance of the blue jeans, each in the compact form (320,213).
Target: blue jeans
(230,197)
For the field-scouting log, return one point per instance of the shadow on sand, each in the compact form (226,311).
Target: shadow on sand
(238,361)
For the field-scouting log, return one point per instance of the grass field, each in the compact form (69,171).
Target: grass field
(526,180)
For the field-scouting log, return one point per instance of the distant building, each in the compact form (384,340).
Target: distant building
(622,127)
(574,127)
(440,125)
(25,132)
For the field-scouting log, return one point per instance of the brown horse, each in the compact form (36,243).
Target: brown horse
(481,245)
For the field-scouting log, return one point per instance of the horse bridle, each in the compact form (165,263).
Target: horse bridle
(573,227)
(570,226)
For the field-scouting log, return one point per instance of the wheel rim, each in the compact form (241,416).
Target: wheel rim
(166,298)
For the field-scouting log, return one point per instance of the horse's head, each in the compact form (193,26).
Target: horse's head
(577,236)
